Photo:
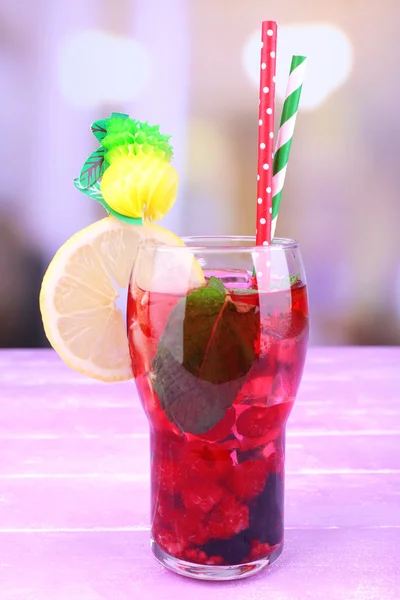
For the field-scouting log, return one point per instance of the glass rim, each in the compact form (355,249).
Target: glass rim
(228,243)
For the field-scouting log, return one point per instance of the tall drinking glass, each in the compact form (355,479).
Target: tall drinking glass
(218,333)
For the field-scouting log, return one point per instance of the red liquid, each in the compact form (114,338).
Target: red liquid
(217,497)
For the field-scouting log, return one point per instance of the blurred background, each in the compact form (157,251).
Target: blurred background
(192,66)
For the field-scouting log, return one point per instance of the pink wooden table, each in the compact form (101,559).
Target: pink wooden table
(74,487)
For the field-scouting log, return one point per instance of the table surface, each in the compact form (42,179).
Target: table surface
(74,486)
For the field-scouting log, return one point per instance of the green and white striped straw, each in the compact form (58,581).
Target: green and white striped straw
(285,134)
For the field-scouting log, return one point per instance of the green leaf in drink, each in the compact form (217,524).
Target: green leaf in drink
(216,284)
(203,357)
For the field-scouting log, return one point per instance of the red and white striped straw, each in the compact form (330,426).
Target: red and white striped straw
(266,132)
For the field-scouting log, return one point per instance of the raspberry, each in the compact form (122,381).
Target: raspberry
(254,443)
(215,560)
(248,478)
(167,444)
(227,518)
(275,462)
(169,542)
(264,423)
(165,451)
(201,461)
(293,325)
(164,504)
(201,495)
(259,550)
(221,429)
(283,384)
(166,473)
(195,555)
(190,528)
(255,422)
(255,390)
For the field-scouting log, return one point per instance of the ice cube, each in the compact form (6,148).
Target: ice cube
(231,278)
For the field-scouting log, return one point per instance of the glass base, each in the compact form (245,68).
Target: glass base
(212,572)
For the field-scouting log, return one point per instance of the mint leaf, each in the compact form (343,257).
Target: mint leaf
(217,284)
(195,406)
(219,341)
(243,291)
(203,357)
(294,279)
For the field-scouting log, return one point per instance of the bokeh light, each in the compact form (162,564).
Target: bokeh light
(330,59)
(96,67)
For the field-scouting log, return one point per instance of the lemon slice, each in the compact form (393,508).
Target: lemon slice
(80,289)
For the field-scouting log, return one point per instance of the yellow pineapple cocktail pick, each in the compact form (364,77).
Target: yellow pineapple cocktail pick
(130,173)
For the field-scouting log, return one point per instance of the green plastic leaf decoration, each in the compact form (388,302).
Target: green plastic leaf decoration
(121,217)
(93,168)
(204,356)
(119,135)
(94,192)
(99,129)
(116,115)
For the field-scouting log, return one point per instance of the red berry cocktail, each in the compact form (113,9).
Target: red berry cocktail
(217,365)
